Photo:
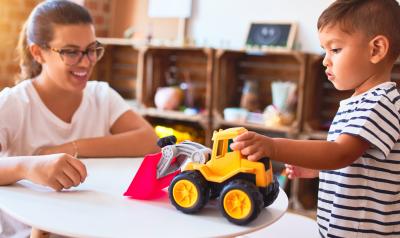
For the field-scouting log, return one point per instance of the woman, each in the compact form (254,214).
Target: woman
(55,109)
(55,113)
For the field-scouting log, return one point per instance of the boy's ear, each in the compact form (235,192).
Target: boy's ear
(36,53)
(379,47)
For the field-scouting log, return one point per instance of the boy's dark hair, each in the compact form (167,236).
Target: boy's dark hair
(372,17)
(38,29)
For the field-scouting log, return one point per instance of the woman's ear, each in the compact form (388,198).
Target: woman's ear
(379,48)
(36,53)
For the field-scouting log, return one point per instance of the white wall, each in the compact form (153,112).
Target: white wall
(225,23)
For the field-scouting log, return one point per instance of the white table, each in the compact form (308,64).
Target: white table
(97,208)
(288,226)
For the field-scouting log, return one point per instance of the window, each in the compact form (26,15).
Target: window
(220,147)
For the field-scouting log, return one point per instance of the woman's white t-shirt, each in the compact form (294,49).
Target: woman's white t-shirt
(26,124)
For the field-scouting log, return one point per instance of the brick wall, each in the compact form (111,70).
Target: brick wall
(13,14)
(100,11)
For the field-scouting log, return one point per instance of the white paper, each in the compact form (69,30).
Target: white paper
(170,8)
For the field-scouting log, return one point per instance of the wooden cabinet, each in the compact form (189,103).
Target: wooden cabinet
(119,66)
(137,72)
(234,68)
(215,80)
(193,68)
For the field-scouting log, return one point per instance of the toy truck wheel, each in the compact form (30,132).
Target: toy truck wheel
(270,193)
(240,202)
(188,192)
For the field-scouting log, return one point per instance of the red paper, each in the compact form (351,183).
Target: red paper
(145,184)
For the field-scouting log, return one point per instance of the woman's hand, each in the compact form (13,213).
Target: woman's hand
(293,171)
(58,171)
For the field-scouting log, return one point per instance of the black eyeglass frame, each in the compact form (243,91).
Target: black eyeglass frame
(61,52)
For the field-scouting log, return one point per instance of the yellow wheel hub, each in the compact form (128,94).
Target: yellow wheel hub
(237,204)
(185,193)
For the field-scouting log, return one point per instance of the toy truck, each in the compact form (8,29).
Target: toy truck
(243,187)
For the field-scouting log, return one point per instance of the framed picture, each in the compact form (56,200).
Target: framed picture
(272,35)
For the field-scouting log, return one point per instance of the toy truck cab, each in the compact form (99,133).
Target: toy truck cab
(243,187)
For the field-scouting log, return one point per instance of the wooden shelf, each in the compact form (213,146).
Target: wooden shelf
(192,66)
(195,62)
(257,127)
(133,103)
(118,67)
(118,41)
(219,75)
(170,114)
(233,68)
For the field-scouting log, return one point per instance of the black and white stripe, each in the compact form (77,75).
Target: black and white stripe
(363,199)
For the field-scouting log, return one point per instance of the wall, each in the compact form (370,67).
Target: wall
(101,14)
(222,23)
(12,15)
(225,23)
(133,13)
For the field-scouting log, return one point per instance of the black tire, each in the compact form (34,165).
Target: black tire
(252,193)
(167,140)
(214,194)
(270,193)
(197,181)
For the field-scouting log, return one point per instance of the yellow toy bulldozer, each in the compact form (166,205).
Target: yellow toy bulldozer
(244,187)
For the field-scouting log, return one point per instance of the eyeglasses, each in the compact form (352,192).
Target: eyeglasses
(72,57)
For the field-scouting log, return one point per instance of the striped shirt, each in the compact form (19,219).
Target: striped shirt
(363,199)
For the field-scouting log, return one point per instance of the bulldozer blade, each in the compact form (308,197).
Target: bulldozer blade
(145,185)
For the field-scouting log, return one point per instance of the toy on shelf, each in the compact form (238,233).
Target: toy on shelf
(243,187)
(180,92)
(284,100)
(168,98)
(181,132)
(250,96)
(235,114)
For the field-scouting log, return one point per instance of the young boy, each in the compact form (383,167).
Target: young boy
(359,193)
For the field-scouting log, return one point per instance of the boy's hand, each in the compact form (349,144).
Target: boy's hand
(58,171)
(293,171)
(253,145)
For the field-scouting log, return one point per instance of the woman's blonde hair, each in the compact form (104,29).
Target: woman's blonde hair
(38,29)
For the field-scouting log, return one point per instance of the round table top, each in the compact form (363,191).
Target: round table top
(300,226)
(97,208)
